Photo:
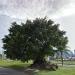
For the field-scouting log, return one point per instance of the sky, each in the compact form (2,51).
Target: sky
(60,11)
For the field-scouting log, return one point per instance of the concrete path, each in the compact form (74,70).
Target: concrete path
(7,71)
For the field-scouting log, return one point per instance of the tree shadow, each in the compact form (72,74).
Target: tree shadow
(26,69)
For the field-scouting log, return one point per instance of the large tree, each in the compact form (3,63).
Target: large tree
(34,40)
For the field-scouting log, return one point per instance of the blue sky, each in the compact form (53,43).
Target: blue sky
(61,11)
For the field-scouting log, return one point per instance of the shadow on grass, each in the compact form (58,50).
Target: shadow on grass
(25,69)
(19,67)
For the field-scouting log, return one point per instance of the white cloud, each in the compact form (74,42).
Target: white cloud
(55,9)
(67,10)
(35,8)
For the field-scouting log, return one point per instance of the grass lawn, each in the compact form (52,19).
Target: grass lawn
(14,64)
(60,71)
(65,62)
(66,70)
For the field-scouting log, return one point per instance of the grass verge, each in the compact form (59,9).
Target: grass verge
(14,64)
(60,71)
(65,70)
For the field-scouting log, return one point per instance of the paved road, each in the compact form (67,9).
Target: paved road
(6,71)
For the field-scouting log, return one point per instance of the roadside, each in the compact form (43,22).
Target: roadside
(8,71)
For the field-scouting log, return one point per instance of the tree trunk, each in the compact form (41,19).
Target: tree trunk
(62,57)
(39,63)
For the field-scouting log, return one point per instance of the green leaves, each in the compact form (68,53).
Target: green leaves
(32,39)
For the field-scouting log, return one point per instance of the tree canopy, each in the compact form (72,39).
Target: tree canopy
(33,40)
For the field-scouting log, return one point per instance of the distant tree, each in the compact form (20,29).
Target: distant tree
(62,47)
(66,54)
(0,56)
(34,40)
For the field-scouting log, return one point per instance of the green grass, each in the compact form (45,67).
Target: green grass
(60,71)
(65,62)
(66,70)
(14,64)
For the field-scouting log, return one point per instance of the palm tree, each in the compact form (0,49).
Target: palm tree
(65,54)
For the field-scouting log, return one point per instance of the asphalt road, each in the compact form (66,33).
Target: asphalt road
(7,71)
